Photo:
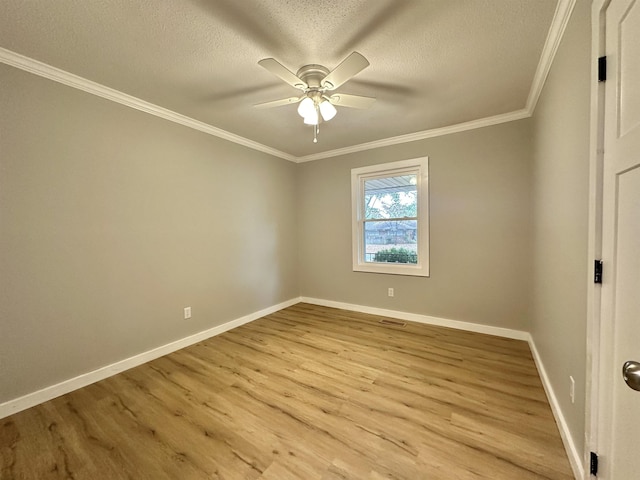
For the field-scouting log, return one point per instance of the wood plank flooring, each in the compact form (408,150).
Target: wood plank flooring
(308,393)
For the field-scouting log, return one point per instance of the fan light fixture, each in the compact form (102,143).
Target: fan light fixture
(311,110)
(314,81)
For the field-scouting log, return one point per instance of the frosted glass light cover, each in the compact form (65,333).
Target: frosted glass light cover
(327,110)
(313,118)
(306,107)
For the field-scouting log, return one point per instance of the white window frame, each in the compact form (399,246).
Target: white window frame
(417,166)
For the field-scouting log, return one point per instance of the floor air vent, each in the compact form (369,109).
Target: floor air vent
(395,323)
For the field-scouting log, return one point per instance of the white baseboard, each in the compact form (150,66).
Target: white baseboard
(416,317)
(53,391)
(575,458)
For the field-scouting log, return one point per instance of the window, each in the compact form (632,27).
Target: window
(390,216)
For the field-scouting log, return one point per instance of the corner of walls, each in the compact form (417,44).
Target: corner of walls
(560,175)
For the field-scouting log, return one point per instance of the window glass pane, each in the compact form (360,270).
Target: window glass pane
(390,197)
(394,241)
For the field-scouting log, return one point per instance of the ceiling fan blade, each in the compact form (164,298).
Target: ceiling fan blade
(281,71)
(279,103)
(350,66)
(353,101)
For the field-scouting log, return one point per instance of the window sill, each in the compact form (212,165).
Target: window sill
(390,269)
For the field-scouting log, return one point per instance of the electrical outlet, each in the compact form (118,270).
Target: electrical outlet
(187,312)
(572,389)
(391,292)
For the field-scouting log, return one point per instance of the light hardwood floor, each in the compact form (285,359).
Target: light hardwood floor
(305,393)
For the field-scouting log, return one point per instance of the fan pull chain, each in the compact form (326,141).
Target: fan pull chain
(316,130)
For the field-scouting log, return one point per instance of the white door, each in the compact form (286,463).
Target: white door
(619,424)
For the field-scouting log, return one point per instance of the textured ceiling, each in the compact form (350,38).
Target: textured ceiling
(434,63)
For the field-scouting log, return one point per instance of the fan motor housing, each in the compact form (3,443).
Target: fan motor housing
(313,75)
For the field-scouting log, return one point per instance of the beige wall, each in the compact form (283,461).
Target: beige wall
(480,229)
(560,193)
(112,221)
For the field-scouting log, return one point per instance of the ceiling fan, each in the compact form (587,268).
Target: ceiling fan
(316,81)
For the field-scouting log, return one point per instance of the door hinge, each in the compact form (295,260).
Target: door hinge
(593,464)
(597,271)
(602,69)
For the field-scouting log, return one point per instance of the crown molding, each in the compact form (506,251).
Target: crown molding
(559,23)
(57,75)
(412,137)
(556,32)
